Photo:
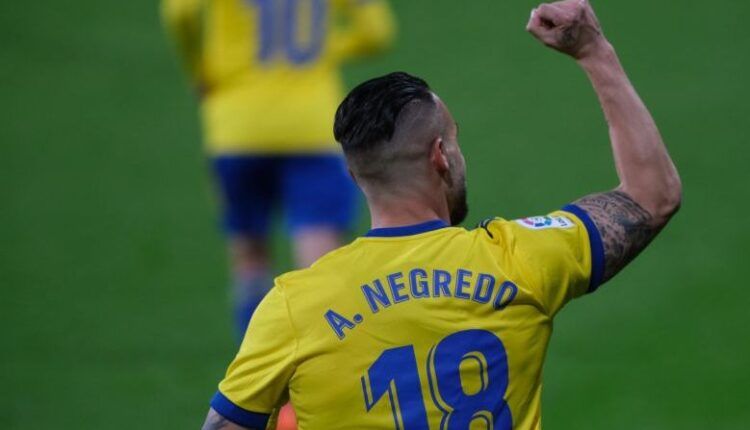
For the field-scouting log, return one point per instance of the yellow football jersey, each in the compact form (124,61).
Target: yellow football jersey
(269,69)
(419,327)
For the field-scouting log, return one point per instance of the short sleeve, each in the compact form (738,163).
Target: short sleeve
(256,383)
(560,254)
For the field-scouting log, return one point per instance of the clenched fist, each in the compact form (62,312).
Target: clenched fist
(569,26)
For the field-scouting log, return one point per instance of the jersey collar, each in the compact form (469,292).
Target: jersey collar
(407,230)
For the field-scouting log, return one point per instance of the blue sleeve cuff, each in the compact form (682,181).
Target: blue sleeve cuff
(236,414)
(597,248)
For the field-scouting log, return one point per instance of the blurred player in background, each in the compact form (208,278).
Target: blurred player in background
(420,325)
(268,75)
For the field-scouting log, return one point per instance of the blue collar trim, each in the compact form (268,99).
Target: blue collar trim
(407,230)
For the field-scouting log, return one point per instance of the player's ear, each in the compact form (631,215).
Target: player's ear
(438,157)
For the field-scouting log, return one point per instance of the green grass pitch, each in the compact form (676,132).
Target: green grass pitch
(112,269)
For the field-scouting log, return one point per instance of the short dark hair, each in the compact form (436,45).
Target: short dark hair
(367,116)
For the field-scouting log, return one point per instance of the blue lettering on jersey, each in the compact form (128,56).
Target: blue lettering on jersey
(461,283)
(505,294)
(377,295)
(419,287)
(396,287)
(465,285)
(338,323)
(441,284)
(480,294)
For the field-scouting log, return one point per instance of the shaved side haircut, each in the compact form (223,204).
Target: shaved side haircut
(385,127)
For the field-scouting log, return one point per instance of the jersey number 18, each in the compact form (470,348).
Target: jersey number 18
(395,373)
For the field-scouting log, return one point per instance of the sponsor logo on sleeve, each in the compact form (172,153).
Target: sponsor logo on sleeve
(544,222)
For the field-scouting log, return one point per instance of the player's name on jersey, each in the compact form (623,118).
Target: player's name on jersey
(420,284)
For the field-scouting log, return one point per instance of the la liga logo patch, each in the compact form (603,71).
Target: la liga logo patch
(544,222)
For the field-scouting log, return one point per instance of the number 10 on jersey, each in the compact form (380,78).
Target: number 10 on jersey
(280,23)
(395,373)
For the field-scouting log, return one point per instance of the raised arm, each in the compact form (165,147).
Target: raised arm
(632,214)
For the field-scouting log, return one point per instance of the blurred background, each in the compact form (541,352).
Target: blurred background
(112,265)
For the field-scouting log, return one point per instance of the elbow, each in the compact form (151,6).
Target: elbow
(667,202)
(673,198)
(670,205)
(667,192)
(661,201)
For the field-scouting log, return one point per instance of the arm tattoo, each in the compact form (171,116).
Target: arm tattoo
(625,227)
(214,421)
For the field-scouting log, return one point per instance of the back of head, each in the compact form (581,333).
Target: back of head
(385,125)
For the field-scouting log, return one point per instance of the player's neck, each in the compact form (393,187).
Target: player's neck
(399,211)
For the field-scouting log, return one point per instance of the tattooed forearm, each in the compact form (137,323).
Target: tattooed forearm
(625,227)
(214,421)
